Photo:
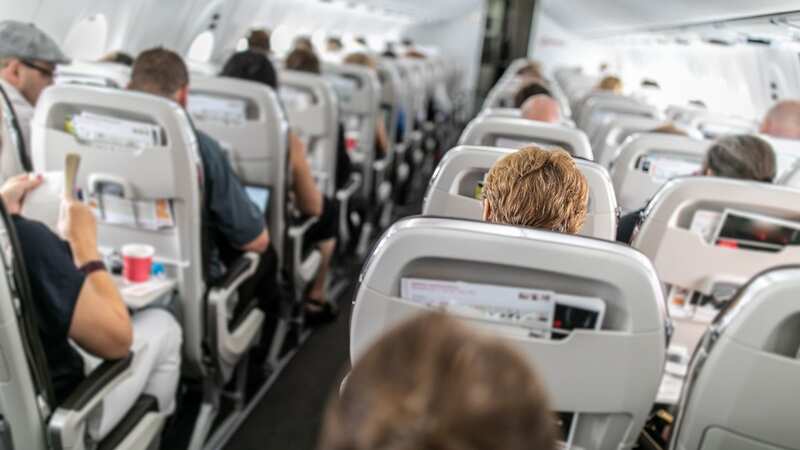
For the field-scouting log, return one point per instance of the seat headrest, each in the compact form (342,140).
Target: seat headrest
(485,130)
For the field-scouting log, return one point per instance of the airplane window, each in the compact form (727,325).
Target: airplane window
(202,47)
(87,39)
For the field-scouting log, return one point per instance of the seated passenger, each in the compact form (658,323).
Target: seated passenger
(536,188)
(121,58)
(783,120)
(333,45)
(610,83)
(77,300)
(253,66)
(381,136)
(531,70)
(741,156)
(28,59)
(306,61)
(259,41)
(529,90)
(433,384)
(234,224)
(541,108)
(303,43)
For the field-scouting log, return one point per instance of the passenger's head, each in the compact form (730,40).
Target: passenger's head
(253,66)
(161,72)
(303,61)
(303,43)
(536,188)
(669,128)
(529,90)
(259,40)
(28,58)
(118,58)
(333,44)
(531,70)
(433,384)
(783,120)
(361,59)
(741,156)
(610,83)
(541,108)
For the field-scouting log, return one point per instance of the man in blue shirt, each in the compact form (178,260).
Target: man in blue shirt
(233,223)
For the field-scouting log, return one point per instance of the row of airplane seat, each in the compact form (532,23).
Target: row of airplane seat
(178,173)
(702,287)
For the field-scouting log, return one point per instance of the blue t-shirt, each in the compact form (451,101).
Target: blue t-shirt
(55,285)
(231,217)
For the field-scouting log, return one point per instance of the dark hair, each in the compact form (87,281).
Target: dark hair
(303,60)
(533,70)
(434,384)
(253,66)
(118,58)
(159,71)
(741,156)
(259,40)
(529,90)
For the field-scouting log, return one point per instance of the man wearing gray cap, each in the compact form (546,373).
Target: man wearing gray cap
(27,61)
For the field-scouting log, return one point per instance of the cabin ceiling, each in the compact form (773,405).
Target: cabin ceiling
(606,17)
(415,10)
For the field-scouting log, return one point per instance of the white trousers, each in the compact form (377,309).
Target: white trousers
(156,369)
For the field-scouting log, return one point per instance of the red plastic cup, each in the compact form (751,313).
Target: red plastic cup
(351,141)
(137,261)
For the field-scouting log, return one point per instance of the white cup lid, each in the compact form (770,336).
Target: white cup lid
(138,250)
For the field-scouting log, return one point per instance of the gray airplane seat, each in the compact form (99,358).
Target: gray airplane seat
(599,108)
(744,374)
(31,419)
(647,161)
(15,158)
(313,110)
(787,157)
(713,125)
(453,189)
(140,168)
(613,133)
(530,287)
(99,74)
(509,132)
(707,236)
(395,164)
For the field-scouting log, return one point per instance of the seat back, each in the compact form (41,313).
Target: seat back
(741,376)
(313,110)
(143,146)
(518,132)
(247,119)
(629,339)
(100,74)
(599,107)
(649,160)
(452,189)
(713,125)
(359,95)
(613,133)
(406,100)
(15,158)
(391,95)
(787,155)
(26,380)
(687,259)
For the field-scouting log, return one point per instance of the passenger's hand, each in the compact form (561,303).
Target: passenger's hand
(15,188)
(78,226)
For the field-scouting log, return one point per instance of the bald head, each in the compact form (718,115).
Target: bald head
(542,108)
(783,120)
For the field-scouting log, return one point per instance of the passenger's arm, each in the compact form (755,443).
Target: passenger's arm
(309,198)
(100,322)
(382,137)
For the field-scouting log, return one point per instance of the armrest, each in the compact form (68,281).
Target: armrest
(67,425)
(304,270)
(297,231)
(351,188)
(381,164)
(235,275)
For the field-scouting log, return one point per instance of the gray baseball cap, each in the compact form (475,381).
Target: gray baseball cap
(26,41)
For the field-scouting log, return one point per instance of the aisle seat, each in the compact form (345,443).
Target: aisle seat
(613,133)
(488,271)
(452,190)
(517,132)
(745,371)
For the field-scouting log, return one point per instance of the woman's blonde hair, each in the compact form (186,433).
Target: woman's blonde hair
(433,384)
(610,83)
(537,188)
(361,59)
